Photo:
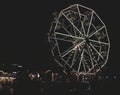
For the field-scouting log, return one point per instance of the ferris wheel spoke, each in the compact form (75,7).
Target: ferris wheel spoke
(74,47)
(91,32)
(73,60)
(97,51)
(94,26)
(67,31)
(80,61)
(91,58)
(80,19)
(67,51)
(90,22)
(96,31)
(62,39)
(65,62)
(68,35)
(59,63)
(99,42)
(72,23)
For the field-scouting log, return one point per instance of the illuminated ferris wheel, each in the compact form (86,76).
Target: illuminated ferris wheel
(78,39)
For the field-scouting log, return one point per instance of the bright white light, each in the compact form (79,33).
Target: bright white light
(20,66)
(38,75)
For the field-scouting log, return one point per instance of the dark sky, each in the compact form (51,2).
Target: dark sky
(23,33)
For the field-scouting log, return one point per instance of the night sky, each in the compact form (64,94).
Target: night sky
(23,33)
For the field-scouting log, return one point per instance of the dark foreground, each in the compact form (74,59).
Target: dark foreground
(107,87)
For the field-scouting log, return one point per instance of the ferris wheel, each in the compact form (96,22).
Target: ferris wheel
(78,39)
